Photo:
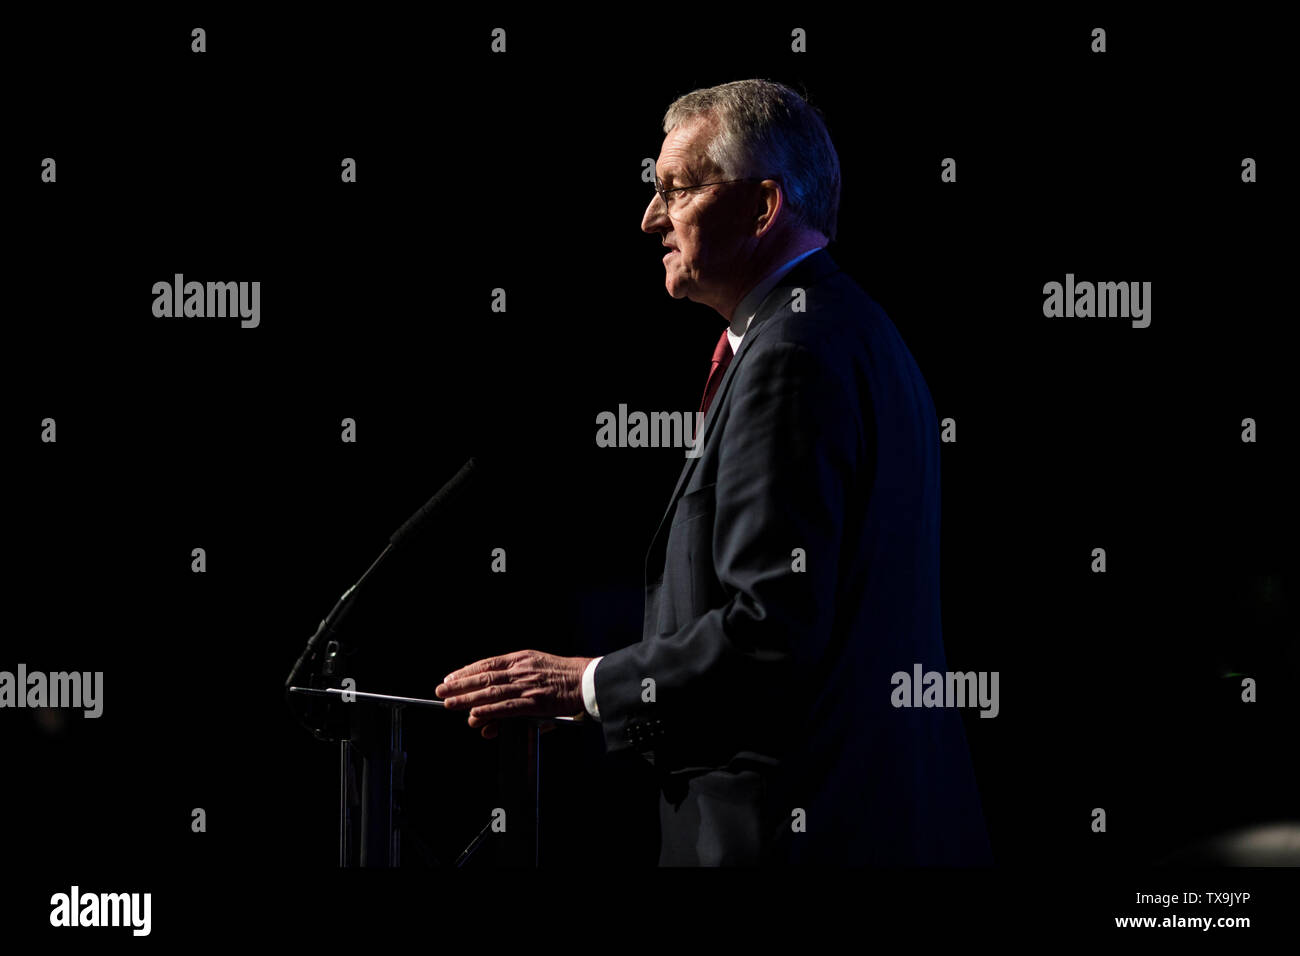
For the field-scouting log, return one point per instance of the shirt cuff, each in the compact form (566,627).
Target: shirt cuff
(589,689)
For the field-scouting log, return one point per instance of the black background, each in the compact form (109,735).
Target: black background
(522,171)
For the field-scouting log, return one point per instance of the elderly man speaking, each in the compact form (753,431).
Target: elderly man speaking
(796,570)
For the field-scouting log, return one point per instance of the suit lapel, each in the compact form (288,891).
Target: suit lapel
(807,273)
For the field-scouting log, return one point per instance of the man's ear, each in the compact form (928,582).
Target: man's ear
(771,200)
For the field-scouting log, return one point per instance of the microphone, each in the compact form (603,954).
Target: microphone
(421,520)
(412,529)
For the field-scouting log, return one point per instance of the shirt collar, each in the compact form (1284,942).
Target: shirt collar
(754,298)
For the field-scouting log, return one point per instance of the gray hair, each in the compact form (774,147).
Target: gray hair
(767,129)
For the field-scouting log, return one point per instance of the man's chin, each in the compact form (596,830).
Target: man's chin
(678,290)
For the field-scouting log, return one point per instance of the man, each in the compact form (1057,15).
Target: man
(797,567)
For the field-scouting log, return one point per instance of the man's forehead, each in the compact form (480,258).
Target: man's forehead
(684,151)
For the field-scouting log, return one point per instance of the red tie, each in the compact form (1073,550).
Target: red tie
(721,359)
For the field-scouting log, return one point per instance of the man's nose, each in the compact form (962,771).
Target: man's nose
(656,217)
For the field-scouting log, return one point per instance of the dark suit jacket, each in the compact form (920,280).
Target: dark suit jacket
(771,684)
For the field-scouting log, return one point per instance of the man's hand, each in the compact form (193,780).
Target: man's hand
(520,684)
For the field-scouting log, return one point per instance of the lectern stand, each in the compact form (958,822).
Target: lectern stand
(368,726)
(372,767)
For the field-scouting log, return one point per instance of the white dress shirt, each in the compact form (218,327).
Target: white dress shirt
(748,307)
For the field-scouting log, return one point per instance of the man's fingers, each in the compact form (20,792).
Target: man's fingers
(477,698)
(485,688)
(484,673)
(511,707)
(478,667)
(499,663)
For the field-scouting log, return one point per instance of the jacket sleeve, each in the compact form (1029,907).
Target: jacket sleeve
(729,680)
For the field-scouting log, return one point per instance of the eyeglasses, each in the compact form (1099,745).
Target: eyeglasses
(672,197)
